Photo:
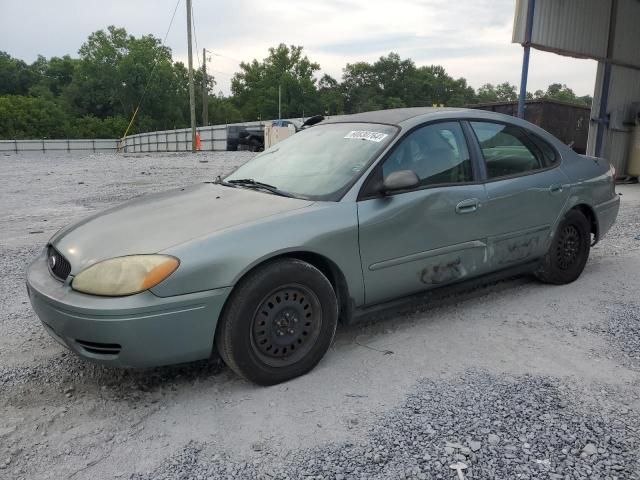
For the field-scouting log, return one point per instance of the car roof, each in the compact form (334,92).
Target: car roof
(394,116)
(408,118)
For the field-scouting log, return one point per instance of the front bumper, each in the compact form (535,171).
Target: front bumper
(140,330)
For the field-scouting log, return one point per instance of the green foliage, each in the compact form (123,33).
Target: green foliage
(505,92)
(24,117)
(558,91)
(114,74)
(16,77)
(330,96)
(222,110)
(255,87)
(392,82)
(95,95)
(90,126)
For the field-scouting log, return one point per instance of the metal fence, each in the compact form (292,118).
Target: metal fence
(211,138)
(44,145)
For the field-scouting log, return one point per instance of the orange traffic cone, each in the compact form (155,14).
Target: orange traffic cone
(198,143)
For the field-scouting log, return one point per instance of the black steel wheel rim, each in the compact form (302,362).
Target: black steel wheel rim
(286,325)
(569,245)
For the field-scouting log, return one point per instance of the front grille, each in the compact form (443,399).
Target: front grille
(100,348)
(58,265)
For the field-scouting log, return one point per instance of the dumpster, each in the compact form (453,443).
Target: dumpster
(568,122)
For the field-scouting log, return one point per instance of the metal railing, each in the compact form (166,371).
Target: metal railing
(69,145)
(213,138)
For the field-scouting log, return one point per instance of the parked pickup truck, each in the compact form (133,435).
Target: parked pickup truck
(241,137)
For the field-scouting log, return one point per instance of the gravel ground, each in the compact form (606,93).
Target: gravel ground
(499,427)
(515,379)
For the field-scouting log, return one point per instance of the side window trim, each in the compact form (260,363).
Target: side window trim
(530,137)
(537,140)
(365,194)
(477,158)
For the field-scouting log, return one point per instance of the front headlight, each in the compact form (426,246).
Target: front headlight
(125,275)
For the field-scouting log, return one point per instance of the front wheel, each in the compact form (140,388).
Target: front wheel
(279,322)
(569,251)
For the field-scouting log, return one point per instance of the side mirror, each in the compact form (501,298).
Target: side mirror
(312,121)
(400,180)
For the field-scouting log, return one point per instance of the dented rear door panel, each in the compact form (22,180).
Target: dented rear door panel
(417,240)
(522,213)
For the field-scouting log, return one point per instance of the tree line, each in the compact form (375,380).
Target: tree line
(96,94)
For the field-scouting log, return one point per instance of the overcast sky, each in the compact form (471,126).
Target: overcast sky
(470,38)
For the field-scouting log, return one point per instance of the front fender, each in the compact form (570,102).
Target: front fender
(219,260)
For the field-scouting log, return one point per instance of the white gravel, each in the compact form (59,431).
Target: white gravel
(522,380)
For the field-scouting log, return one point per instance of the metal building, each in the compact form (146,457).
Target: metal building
(604,30)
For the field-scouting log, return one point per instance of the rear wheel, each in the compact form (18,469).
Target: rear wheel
(279,322)
(569,251)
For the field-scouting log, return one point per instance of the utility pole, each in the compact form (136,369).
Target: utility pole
(192,96)
(205,100)
(279,102)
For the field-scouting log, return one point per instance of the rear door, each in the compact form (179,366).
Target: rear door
(526,192)
(430,235)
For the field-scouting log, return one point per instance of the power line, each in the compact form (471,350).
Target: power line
(224,56)
(195,37)
(144,92)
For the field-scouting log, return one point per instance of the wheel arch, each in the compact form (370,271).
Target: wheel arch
(328,268)
(590,214)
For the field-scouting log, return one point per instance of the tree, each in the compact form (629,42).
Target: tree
(504,92)
(558,91)
(16,77)
(116,71)
(96,94)
(222,110)
(255,87)
(392,82)
(24,117)
(331,96)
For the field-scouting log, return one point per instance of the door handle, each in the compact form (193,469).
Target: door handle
(468,206)
(553,189)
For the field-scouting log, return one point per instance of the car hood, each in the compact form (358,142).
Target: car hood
(153,223)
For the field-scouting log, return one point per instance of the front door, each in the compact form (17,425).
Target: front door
(428,236)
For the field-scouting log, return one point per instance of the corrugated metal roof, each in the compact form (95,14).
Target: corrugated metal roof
(626,46)
(580,28)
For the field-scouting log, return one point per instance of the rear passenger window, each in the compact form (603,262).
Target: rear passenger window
(508,150)
(550,157)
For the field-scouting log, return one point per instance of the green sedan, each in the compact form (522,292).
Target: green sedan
(349,215)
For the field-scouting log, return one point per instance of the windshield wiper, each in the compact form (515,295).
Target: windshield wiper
(220,181)
(251,183)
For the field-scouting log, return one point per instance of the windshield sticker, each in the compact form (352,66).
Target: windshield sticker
(367,135)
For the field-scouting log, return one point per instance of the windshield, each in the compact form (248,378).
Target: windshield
(319,162)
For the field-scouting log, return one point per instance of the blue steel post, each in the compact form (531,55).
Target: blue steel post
(604,105)
(603,121)
(525,58)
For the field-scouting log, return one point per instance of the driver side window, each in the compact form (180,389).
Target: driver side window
(437,153)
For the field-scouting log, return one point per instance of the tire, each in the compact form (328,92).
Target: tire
(279,322)
(569,250)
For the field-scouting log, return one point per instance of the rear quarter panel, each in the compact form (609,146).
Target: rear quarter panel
(592,183)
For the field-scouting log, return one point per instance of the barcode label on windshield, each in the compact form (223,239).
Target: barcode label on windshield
(366,135)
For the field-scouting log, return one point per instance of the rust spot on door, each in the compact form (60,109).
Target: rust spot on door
(443,272)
